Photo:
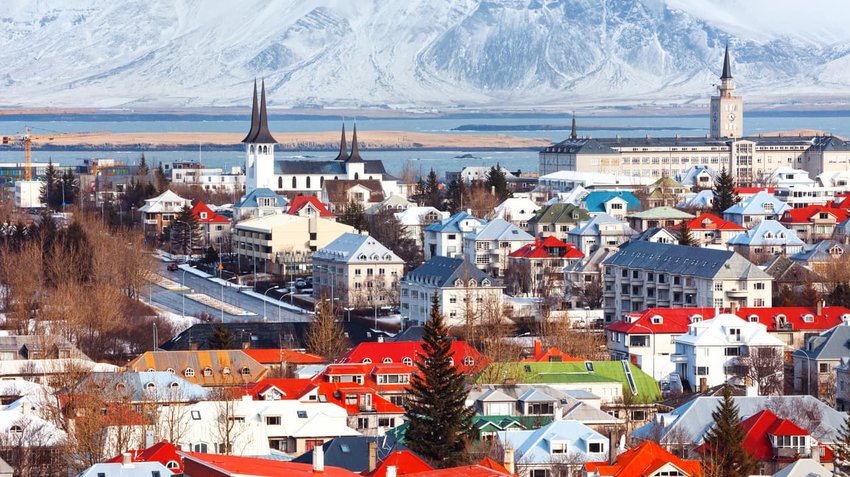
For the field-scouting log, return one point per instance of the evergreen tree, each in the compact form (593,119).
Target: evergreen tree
(440,424)
(221,337)
(210,256)
(184,233)
(684,235)
(786,297)
(841,447)
(433,196)
(143,169)
(385,227)
(354,215)
(50,194)
(724,193)
(160,179)
(724,453)
(497,183)
(69,189)
(457,193)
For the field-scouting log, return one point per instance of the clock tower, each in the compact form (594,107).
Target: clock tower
(727,110)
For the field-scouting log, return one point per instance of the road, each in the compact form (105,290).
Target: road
(175,301)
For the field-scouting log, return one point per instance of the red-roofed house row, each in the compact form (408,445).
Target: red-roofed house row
(646,460)
(709,229)
(640,336)
(815,222)
(467,359)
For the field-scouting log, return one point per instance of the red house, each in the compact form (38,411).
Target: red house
(216,228)
(163,452)
(647,459)
(309,206)
(466,358)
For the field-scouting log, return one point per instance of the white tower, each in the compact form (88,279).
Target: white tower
(259,147)
(727,111)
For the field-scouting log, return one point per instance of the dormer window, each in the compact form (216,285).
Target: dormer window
(657,320)
(808,318)
(407,361)
(189,372)
(696,318)
(387,360)
(207,372)
(753,318)
(367,361)
(246,371)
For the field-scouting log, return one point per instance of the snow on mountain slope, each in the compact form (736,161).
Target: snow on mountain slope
(414,53)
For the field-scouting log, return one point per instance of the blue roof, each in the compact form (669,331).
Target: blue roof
(250,200)
(595,201)
(451,224)
(533,447)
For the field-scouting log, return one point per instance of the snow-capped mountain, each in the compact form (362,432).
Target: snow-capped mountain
(417,53)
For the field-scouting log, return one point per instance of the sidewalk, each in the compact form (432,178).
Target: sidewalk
(272,301)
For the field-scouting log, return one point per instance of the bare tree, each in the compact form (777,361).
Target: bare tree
(229,426)
(763,366)
(325,335)
(806,413)
(34,449)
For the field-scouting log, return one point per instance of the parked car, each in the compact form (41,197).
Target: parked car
(173,267)
(301,283)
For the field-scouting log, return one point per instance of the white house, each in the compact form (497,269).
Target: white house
(445,238)
(710,353)
(415,219)
(567,443)
(488,246)
(516,210)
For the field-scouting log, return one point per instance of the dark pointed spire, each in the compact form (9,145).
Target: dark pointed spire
(573,132)
(355,150)
(343,147)
(727,67)
(255,118)
(263,135)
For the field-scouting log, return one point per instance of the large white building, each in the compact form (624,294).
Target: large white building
(709,354)
(300,176)
(648,274)
(748,158)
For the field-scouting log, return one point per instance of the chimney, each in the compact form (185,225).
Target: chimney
(318,459)
(509,460)
(538,348)
(391,471)
(733,307)
(126,458)
(820,308)
(380,339)
(612,446)
(815,453)
(149,441)
(373,455)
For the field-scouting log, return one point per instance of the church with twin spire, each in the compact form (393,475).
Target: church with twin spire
(265,175)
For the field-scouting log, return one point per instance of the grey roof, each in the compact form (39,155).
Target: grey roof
(352,248)
(328,167)
(832,344)
(767,232)
(412,333)
(451,224)
(591,227)
(534,395)
(689,423)
(352,452)
(168,387)
(343,147)
(500,229)
(804,468)
(663,212)
(495,395)
(444,271)
(604,145)
(580,146)
(819,252)
(684,260)
(584,412)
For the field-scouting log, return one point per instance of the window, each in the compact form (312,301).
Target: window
(196,415)
(226,371)
(541,408)
(246,371)
(758,286)
(718,286)
(155,473)
(272,420)
(350,399)
(701,371)
(731,351)
(468,361)
(362,422)
(823,367)
(387,360)
(302,414)
(207,371)
(278,444)
(189,372)
(638,415)
(538,473)
(172,465)
(596,447)
(386,422)
(407,361)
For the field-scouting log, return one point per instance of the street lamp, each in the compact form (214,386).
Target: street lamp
(183,293)
(265,294)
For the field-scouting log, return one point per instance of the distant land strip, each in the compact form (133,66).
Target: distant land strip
(565,127)
(304,141)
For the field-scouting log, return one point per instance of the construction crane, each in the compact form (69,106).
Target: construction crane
(26,139)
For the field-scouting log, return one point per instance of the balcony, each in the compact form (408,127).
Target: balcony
(736,293)
(678,358)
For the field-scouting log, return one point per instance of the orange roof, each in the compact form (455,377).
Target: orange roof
(271,356)
(492,464)
(548,355)
(405,462)
(643,460)
(195,464)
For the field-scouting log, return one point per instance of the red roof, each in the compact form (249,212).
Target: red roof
(162,452)
(405,462)
(466,358)
(757,431)
(804,215)
(492,464)
(644,459)
(369,372)
(753,190)
(844,203)
(196,464)
(708,221)
(290,387)
(205,215)
(274,356)
(301,201)
(336,393)
(549,247)
(466,471)
(676,320)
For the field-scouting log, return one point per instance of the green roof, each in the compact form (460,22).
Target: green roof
(576,372)
(560,214)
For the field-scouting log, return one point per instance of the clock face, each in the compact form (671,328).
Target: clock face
(731,116)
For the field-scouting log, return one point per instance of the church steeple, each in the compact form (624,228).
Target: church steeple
(255,118)
(573,132)
(727,67)
(343,147)
(263,135)
(355,149)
